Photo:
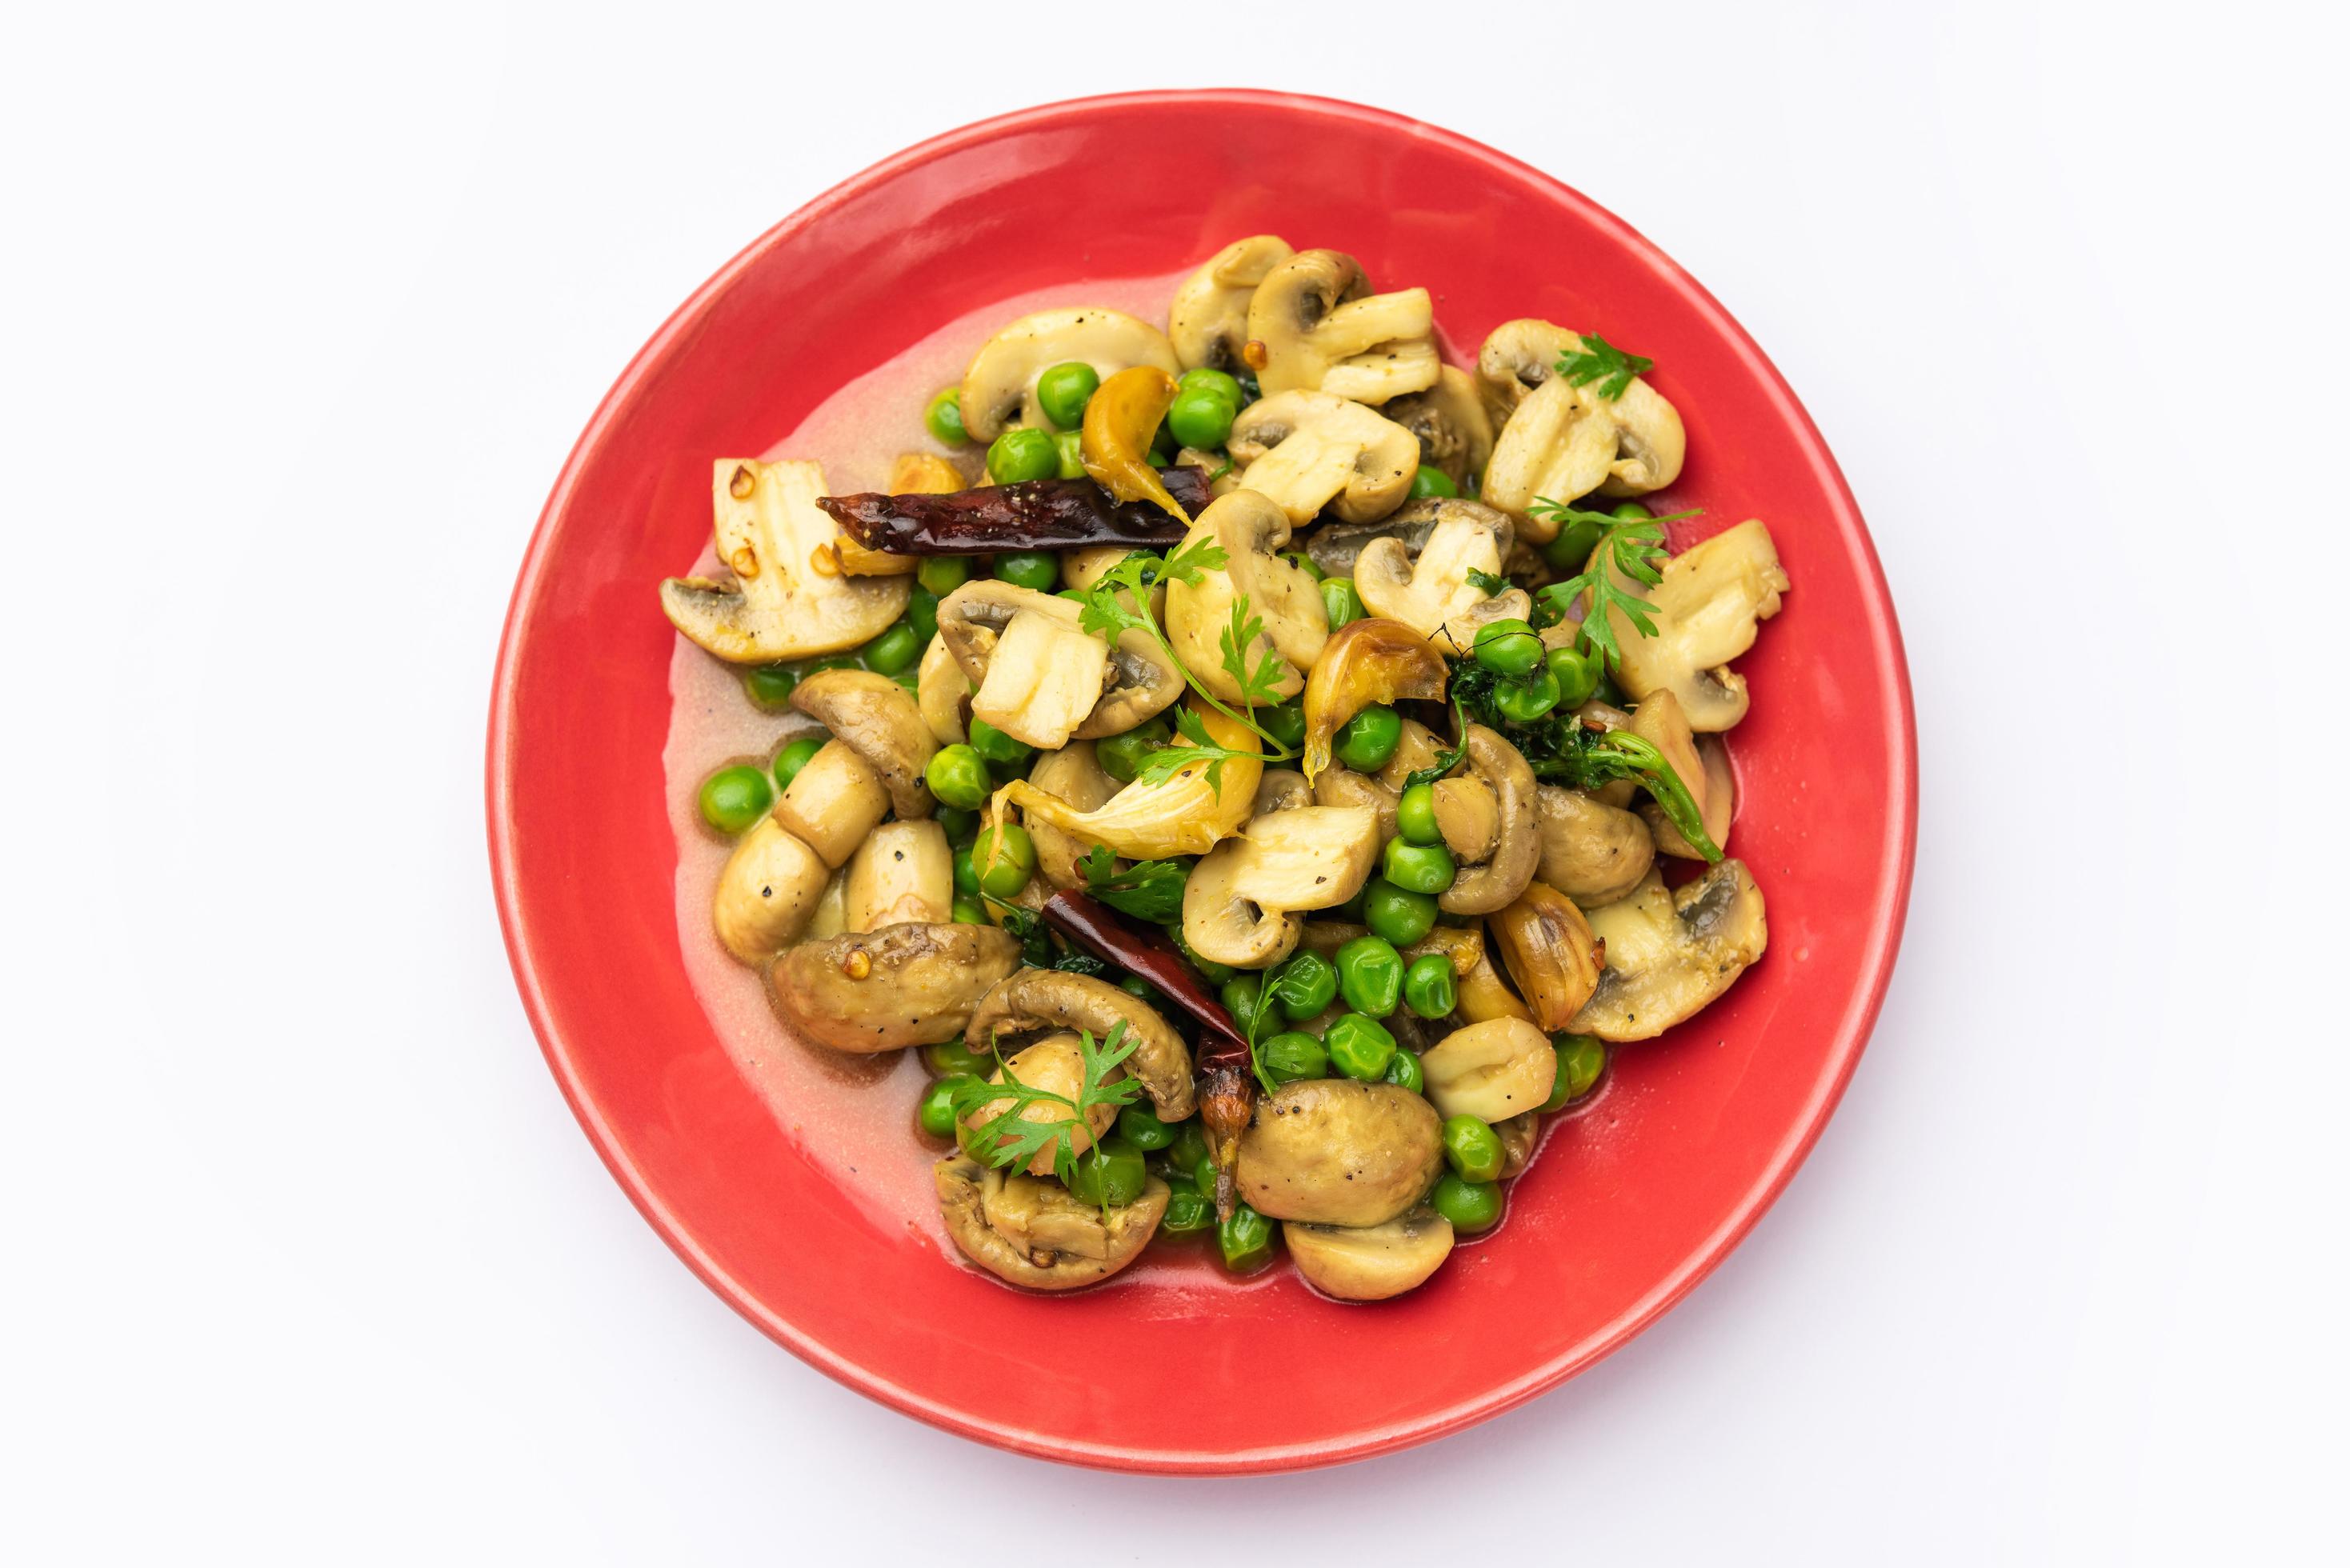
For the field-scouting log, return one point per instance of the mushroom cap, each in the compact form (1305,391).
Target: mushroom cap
(999,389)
(1142,682)
(1207,321)
(1029,1001)
(1570,440)
(1708,603)
(1516,357)
(1592,852)
(1669,953)
(1250,529)
(942,691)
(875,718)
(1332,1151)
(1496,1070)
(1521,1135)
(902,874)
(768,892)
(1421,578)
(1076,775)
(1337,546)
(1055,1064)
(1032,1232)
(1241,901)
(1371,1262)
(912,984)
(1322,330)
(1482,889)
(778,605)
(1306,450)
(1456,434)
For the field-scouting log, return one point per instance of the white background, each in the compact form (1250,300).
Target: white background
(306,1262)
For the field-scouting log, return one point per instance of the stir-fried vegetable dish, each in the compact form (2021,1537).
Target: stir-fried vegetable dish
(1263,768)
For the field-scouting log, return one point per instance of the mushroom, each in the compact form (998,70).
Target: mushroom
(1308,449)
(903,872)
(1371,1262)
(1706,608)
(1249,530)
(1592,852)
(999,389)
(1670,953)
(1343,787)
(1367,661)
(872,764)
(1468,818)
(1056,1065)
(1551,952)
(1051,999)
(1416,749)
(831,917)
(1482,889)
(1207,321)
(1083,567)
(1717,802)
(1428,586)
(777,604)
(903,985)
(1483,994)
(1316,331)
(1456,435)
(1076,775)
(1242,901)
(768,892)
(942,692)
(1332,1151)
(1336,547)
(1658,720)
(1187,813)
(1281,789)
(1492,1071)
(1129,681)
(1560,440)
(1519,1135)
(1030,1233)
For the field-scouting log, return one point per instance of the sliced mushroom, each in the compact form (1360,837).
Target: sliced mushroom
(1281,789)
(1717,803)
(1249,530)
(1207,321)
(1468,818)
(1371,1262)
(1492,1071)
(1427,588)
(1479,890)
(778,605)
(903,985)
(999,390)
(1317,331)
(1187,813)
(833,802)
(1076,775)
(1483,994)
(1044,679)
(1242,902)
(903,873)
(1670,953)
(1345,787)
(1706,606)
(1332,1151)
(1305,451)
(875,718)
(1055,1065)
(942,691)
(768,892)
(1337,546)
(1551,952)
(1047,999)
(1592,852)
(1140,680)
(1560,440)
(1519,1135)
(1456,434)
(1660,721)
(1026,1231)
(1416,749)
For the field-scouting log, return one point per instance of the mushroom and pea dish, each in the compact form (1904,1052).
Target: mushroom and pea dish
(1263,768)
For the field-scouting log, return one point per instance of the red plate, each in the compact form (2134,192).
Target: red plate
(1633,1200)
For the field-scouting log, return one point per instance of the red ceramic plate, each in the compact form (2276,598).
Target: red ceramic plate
(1632,1202)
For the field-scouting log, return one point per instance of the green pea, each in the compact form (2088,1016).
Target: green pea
(1218,382)
(1004,856)
(937,1114)
(1246,1240)
(923,615)
(1370,975)
(1429,988)
(969,911)
(1201,419)
(1630,511)
(1581,1059)
(1404,1070)
(1203,1176)
(1522,702)
(830,662)
(1188,1213)
(959,822)
(1419,868)
(942,575)
(1416,815)
(1572,548)
(769,686)
(1471,1206)
(1242,995)
(1120,756)
(1400,915)
(1472,1149)
(1062,390)
(1286,723)
(954,1057)
(1291,1056)
(958,776)
(966,876)
(944,417)
(1305,563)
(1340,602)
(1068,455)
(1019,455)
(894,650)
(1433,481)
(1367,739)
(1145,1131)
(1108,1176)
(1360,1047)
(1304,985)
(795,756)
(1135,985)
(1036,569)
(1508,645)
(734,799)
(995,746)
(1578,675)
(1190,1147)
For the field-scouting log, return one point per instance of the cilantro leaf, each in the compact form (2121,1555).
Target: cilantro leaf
(1010,1138)
(1603,362)
(1260,682)
(1630,547)
(1150,890)
(1489,583)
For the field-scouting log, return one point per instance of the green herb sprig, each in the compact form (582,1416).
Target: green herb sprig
(1601,361)
(1011,1139)
(1633,547)
(1150,890)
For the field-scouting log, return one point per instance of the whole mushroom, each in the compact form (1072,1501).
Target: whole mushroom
(768,892)
(1371,1262)
(912,984)
(1492,1071)
(1314,326)
(873,764)
(1592,852)
(1498,772)
(1333,1151)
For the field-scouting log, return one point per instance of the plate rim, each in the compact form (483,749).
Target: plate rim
(1854,1031)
